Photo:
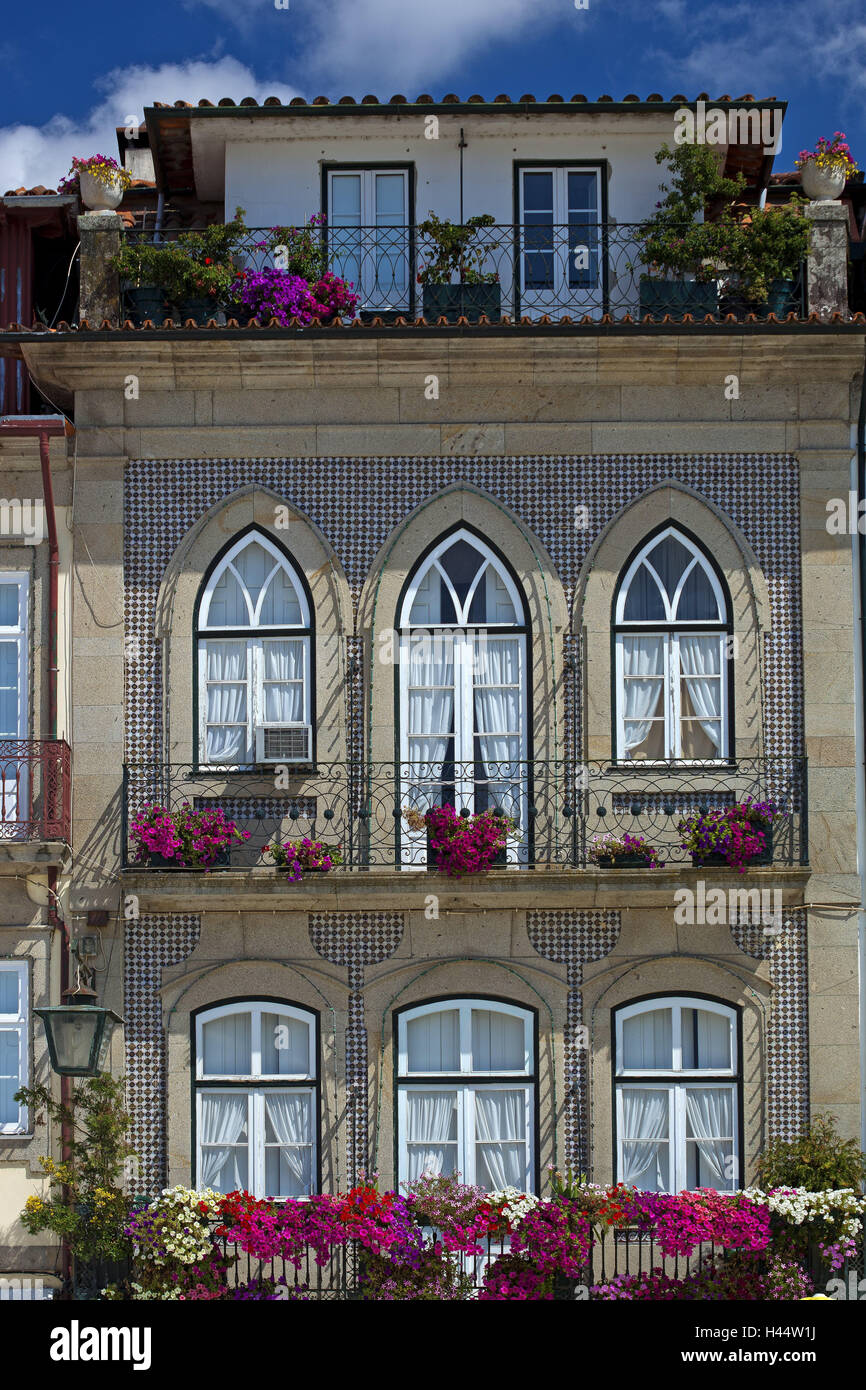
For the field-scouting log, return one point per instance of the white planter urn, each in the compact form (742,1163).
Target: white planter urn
(821,184)
(99,197)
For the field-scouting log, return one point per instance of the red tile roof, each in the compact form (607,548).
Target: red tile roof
(453,100)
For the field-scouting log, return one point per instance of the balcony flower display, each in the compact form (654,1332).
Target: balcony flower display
(187,838)
(624,852)
(299,856)
(451,272)
(825,170)
(735,835)
(278,294)
(463,844)
(195,271)
(98,179)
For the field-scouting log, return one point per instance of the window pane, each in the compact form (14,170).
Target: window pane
(9,689)
(280,605)
(254,565)
(226,661)
(431,1132)
(581,191)
(697,600)
(389,199)
(9,992)
(643,662)
(346,198)
(224,1141)
(643,602)
(285,1045)
(500,1139)
(9,605)
(646,1160)
(228,607)
(538,192)
(706,1040)
(710,1137)
(9,1077)
(461,562)
(434,1042)
(669,559)
(288,1144)
(227,1046)
(497,1041)
(647,1041)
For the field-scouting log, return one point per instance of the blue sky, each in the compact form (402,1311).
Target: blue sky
(70,74)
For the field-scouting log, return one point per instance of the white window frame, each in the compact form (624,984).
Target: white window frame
(367,176)
(464,1088)
(255,635)
(590,295)
(15,790)
(463,636)
(676,1081)
(19,1023)
(672,677)
(256,1093)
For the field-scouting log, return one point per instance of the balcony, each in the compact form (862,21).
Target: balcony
(35,800)
(577,273)
(557,807)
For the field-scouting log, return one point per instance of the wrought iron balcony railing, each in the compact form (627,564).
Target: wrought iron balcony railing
(532,270)
(35,790)
(557,807)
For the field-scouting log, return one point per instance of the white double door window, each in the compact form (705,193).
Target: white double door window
(560,261)
(463,690)
(368,234)
(14,658)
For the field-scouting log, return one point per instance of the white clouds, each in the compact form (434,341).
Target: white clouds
(32,155)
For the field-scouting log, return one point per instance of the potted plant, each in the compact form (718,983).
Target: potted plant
(825,170)
(684,255)
(187,838)
(463,844)
(298,285)
(623,852)
(737,835)
(298,857)
(765,252)
(99,180)
(139,267)
(454,250)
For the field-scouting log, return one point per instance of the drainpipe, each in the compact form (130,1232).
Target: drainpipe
(860,732)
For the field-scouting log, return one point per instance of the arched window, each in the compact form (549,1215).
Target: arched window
(463,725)
(466,1092)
(677,1095)
(253,637)
(255,1091)
(671,618)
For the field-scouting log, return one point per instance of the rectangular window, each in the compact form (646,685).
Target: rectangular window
(14,1044)
(246,682)
(14,714)
(559,216)
(260,1141)
(368,234)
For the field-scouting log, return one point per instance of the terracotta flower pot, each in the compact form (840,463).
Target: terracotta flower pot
(99,197)
(821,184)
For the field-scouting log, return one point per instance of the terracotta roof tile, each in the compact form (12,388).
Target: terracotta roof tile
(452,99)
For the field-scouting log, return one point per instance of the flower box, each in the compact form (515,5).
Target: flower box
(452,302)
(145,302)
(623,861)
(717,859)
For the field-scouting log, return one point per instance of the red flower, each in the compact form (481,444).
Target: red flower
(208,261)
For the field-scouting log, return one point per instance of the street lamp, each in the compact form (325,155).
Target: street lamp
(77,1034)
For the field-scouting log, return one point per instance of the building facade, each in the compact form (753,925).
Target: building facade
(569,564)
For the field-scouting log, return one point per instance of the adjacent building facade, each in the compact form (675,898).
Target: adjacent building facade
(569,564)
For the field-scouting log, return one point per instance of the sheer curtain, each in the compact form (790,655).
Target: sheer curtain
(431,1132)
(431,712)
(701,659)
(283,680)
(223,1120)
(227,701)
(710,1115)
(500,1139)
(287,1144)
(497,718)
(643,683)
(645,1138)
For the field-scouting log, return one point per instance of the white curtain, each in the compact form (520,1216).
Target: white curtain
(227,1045)
(431,1132)
(706,1040)
(648,1041)
(431,710)
(498,1041)
(500,1139)
(701,659)
(645,1156)
(223,1121)
(290,1164)
(643,663)
(433,1042)
(710,1114)
(284,680)
(227,701)
(497,717)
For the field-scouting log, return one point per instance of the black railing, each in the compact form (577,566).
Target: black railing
(530,271)
(557,807)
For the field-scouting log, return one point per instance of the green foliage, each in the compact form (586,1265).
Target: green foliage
(770,247)
(194,265)
(673,240)
(86,1204)
(455,250)
(817,1160)
(299,250)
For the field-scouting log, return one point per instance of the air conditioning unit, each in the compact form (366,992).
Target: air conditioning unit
(284,743)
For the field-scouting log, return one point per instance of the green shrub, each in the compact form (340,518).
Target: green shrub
(817,1160)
